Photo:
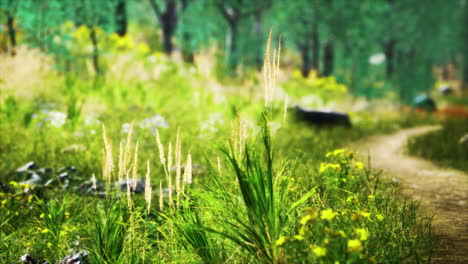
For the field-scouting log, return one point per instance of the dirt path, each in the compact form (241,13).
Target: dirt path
(442,192)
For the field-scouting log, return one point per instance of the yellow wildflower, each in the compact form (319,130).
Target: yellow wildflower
(298,237)
(327,214)
(354,245)
(319,251)
(362,233)
(380,217)
(281,240)
(310,217)
(359,165)
(371,198)
(338,152)
(42,215)
(143,48)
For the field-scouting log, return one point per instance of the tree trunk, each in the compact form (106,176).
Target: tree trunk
(257,34)
(169,23)
(306,59)
(389,51)
(121,20)
(315,49)
(328,58)
(465,49)
(233,58)
(187,52)
(11,34)
(94,41)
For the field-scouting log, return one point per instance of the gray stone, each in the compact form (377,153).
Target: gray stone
(28,166)
(27,259)
(122,186)
(323,118)
(446,89)
(35,179)
(76,258)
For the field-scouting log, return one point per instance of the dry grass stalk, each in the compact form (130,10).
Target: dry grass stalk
(129,193)
(161,197)
(168,172)
(135,168)
(127,154)
(188,170)
(267,78)
(148,189)
(93,180)
(178,158)
(108,160)
(160,149)
(121,170)
(270,68)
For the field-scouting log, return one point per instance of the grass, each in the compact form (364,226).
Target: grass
(443,146)
(228,184)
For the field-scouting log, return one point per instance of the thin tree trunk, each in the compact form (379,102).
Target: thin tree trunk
(328,58)
(389,51)
(121,19)
(465,49)
(187,52)
(315,49)
(11,34)
(233,58)
(306,59)
(94,41)
(257,31)
(169,23)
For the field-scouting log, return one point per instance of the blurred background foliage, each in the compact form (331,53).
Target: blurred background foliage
(377,48)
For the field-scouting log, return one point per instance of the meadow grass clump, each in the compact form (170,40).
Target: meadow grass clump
(271,195)
(444,146)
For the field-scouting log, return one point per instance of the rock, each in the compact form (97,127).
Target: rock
(92,185)
(67,169)
(446,89)
(464,140)
(424,102)
(122,186)
(323,118)
(28,166)
(27,259)
(63,175)
(76,258)
(45,171)
(34,179)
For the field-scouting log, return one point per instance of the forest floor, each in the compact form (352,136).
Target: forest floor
(443,192)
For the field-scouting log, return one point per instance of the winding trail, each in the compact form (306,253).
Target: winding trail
(443,192)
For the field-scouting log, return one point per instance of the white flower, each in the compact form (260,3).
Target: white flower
(57,119)
(126,128)
(92,120)
(377,59)
(153,122)
(211,124)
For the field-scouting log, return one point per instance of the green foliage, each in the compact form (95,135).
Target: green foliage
(443,146)
(109,232)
